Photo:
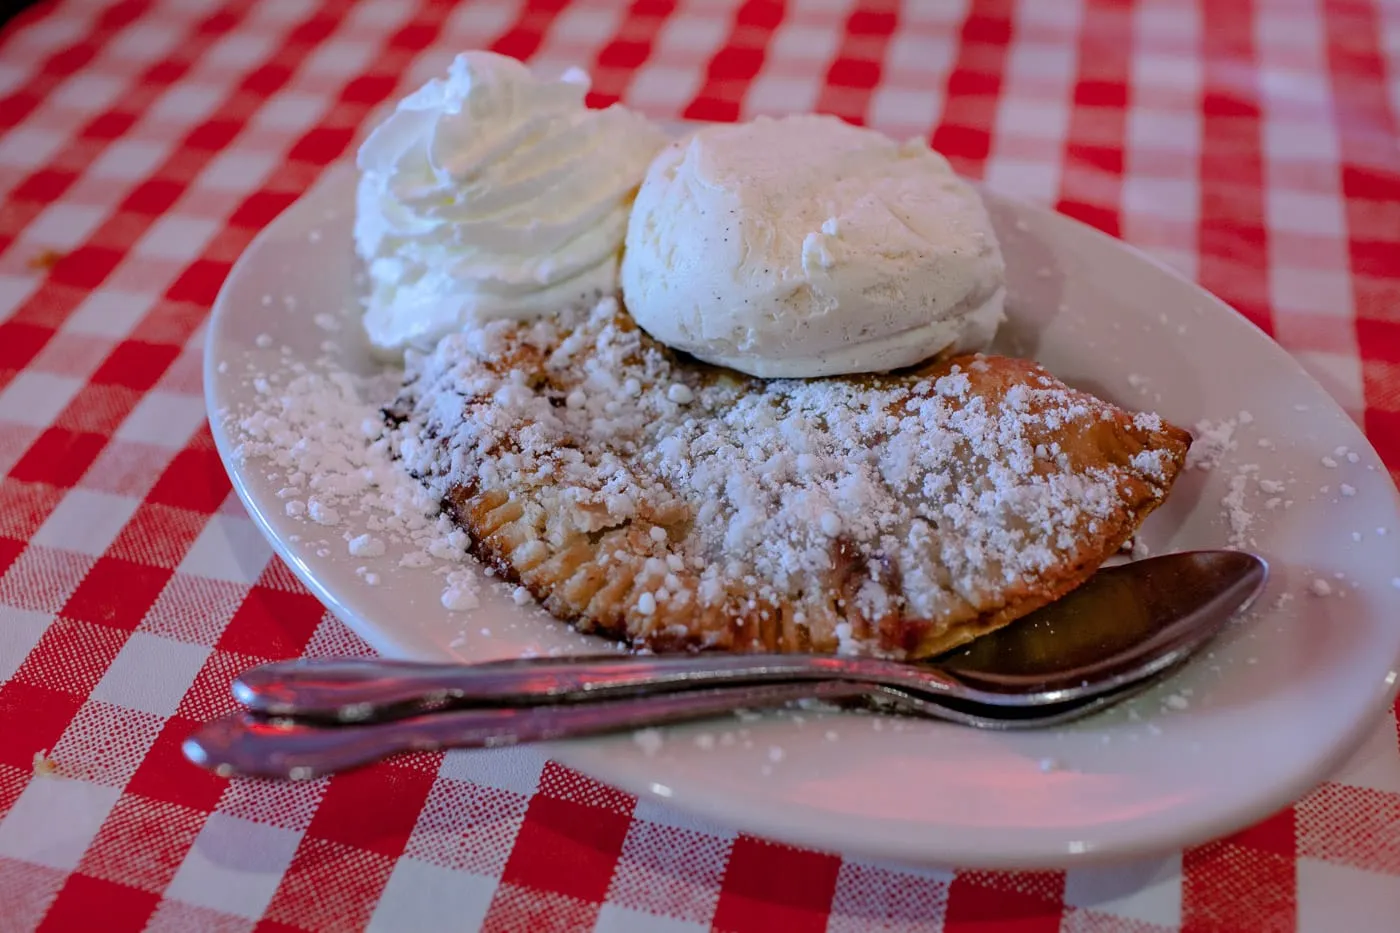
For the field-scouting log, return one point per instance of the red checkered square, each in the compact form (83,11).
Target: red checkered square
(76,907)
(373,808)
(194,480)
(166,775)
(561,832)
(58,457)
(1019,904)
(768,886)
(116,593)
(275,624)
(32,718)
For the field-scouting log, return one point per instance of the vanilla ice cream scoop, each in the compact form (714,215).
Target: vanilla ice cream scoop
(493,193)
(805,246)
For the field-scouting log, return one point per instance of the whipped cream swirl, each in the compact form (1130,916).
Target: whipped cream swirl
(493,194)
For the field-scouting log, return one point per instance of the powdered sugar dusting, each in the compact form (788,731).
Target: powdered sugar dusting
(319,435)
(956,495)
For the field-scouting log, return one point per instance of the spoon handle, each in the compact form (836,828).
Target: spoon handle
(358,689)
(242,744)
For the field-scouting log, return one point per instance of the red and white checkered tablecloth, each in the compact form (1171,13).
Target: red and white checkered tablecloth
(1253,144)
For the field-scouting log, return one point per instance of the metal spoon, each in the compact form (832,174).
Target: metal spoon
(1206,588)
(255,746)
(1126,623)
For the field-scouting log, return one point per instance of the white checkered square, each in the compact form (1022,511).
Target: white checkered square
(692,37)
(86,521)
(292,111)
(176,238)
(228,549)
(278,15)
(234,865)
(1019,178)
(376,18)
(14,291)
(583,26)
(613,918)
(49,35)
(663,90)
(54,820)
(1033,64)
(1024,118)
(777,93)
(88,92)
(514,769)
(1289,139)
(1169,198)
(473,25)
(423,896)
(1305,212)
(237,49)
(64,226)
(1147,890)
(163,419)
(29,147)
(341,57)
(151,674)
(1336,897)
(187,102)
(128,160)
(903,112)
(150,39)
(919,59)
(1310,290)
(807,47)
(35,398)
(20,631)
(237,169)
(1166,131)
(108,313)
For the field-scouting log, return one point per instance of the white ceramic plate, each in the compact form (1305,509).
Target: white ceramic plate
(1238,734)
